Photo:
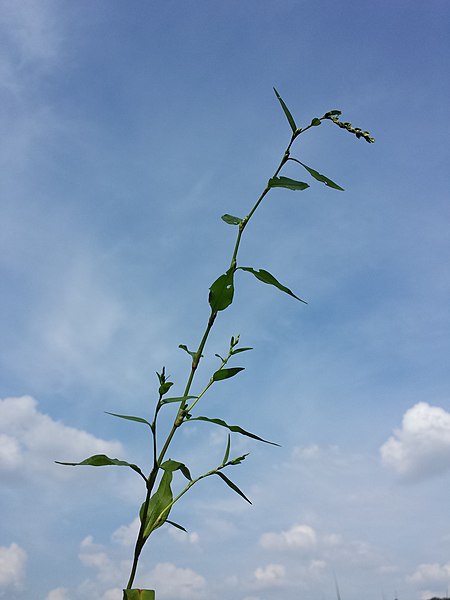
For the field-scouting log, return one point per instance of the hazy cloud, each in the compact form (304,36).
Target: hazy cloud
(183,537)
(270,575)
(431,573)
(12,566)
(421,447)
(126,535)
(175,583)
(57,594)
(30,441)
(297,537)
(172,582)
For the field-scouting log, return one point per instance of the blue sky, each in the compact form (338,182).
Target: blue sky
(127,130)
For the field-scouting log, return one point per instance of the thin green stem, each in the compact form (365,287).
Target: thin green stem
(181,414)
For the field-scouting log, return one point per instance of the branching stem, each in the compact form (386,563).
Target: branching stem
(182,411)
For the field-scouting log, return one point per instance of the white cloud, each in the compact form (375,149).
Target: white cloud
(431,573)
(421,448)
(270,575)
(57,594)
(12,566)
(175,583)
(183,536)
(32,440)
(316,567)
(108,572)
(113,594)
(297,537)
(126,535)
(170,581)
(321,548)
(93,555)
(10,455)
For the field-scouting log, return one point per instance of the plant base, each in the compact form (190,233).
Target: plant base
(138,594)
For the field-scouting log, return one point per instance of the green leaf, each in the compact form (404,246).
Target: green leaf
(315,122)
(221,292)
(165,387)
(286,182)
(158,502)
(180,399)
(237,460)
(226,373)
(173,465)
(227,450)
(268,278)
(101,460)
(186,349)
(128,418)
(138,594)
(240,350)
(231,220)
(321,177)
(286,111)
(176,525)
(234,428)
(233,486)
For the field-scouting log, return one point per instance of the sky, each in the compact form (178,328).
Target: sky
(127,130)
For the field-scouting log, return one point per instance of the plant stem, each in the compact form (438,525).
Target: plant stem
(181,414)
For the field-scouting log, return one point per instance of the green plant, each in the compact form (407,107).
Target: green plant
(159,496)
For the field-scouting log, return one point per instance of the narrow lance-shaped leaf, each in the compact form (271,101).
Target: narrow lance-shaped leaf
(221,292)
(226,373)
(101,460)
(287,112)
(319,177)
(286,182)
(268,278)
(176,525)
(237,350)
(178,399)
(227,450)
(129,418)
(234,428)
(231,220)
(158,502)
(233,486)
